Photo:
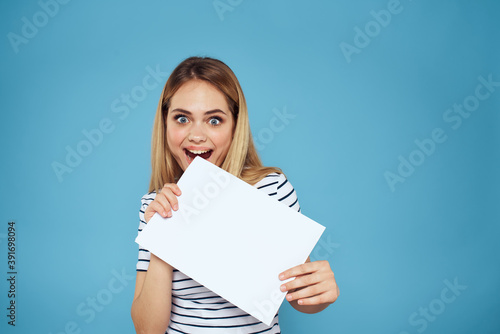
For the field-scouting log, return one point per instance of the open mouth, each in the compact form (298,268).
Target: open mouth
(191,154)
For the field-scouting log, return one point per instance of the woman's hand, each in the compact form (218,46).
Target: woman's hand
(314,286)
(164,203)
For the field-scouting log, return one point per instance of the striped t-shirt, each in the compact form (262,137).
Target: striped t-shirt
(196,309)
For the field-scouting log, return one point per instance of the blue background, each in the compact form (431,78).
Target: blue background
(353,117)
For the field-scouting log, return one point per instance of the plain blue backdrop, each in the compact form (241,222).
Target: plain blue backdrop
(412,218)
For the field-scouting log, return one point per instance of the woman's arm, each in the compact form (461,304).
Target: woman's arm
(152,298)
(314,286)
(153,288)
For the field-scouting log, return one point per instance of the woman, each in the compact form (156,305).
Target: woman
(202,112)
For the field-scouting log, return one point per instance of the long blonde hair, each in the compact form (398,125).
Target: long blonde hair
(242,159)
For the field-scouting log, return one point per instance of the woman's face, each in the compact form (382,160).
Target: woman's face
(199,123)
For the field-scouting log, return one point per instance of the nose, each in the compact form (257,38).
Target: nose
(196,134)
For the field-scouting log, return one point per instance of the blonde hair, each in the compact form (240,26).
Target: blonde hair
(242,159)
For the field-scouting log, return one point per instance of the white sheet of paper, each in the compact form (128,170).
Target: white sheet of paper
(232,238)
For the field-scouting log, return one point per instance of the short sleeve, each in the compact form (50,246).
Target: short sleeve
(277,186)
(144,255)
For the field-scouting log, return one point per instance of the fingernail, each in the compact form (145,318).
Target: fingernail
(282,276)
(283,288)
(164,214)
(288,297)
(176,207)
(169,214)
(300,301)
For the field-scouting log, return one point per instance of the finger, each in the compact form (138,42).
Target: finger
(302,281)
(327,292)
(168,199)
(151,210)
(318,299)
(302,269)
(164,200)
(307,292)
(306,268)
(161,208)
(174,187)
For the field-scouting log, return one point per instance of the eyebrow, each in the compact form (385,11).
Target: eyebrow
(210,112)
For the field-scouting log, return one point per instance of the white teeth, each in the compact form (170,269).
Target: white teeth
(198,152)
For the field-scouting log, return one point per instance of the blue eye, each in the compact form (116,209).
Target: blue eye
(181,119)
(214,121)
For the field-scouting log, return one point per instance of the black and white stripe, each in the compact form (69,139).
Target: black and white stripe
(196,309)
